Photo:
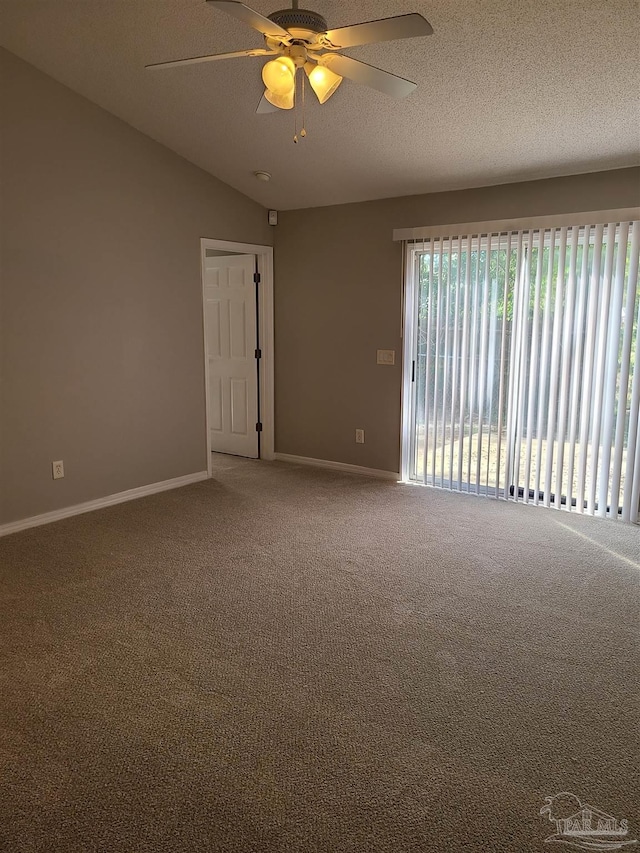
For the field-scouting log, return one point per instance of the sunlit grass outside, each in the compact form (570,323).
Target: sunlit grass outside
(493,469)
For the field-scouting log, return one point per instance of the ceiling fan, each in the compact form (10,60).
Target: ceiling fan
(298,38)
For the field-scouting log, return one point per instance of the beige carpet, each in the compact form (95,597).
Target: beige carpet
(285,659)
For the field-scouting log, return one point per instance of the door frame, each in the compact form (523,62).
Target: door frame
(264,259)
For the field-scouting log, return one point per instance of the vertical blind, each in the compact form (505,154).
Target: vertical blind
(527,366)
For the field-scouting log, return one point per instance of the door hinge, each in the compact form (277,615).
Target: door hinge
(258,427)
(258,353)
(256,277)
(413,371)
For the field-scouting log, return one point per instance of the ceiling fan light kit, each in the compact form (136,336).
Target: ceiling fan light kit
(299,39)
(282,102)
(322,80)
(279,75)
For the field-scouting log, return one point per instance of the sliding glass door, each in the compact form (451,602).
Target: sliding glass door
(463,295)
(524,380)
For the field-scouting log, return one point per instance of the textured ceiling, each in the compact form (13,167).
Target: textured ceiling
(507,90)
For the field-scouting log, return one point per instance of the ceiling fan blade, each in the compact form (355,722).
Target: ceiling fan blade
(387,29)
(251,17)
(265,107)
(213,57)
(368,75)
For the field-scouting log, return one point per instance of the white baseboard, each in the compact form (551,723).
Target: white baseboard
(337,466)
(100,503)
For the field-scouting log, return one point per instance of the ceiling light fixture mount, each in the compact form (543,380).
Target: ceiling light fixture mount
(262,176)
(300,23)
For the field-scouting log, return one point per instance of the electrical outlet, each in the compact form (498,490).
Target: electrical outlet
(359,436)
(57,470)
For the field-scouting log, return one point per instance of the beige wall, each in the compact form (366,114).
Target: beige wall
(338,299)
(100,303)
(101,312)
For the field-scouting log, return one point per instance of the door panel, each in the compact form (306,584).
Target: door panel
(215,403)
(239,413)
(230,333)
(213,328)
(237,330)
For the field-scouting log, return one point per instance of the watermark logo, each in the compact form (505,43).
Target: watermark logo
(583,826)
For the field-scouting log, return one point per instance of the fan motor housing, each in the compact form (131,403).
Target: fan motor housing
(299,19)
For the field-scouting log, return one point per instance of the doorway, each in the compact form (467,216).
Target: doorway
(237,287)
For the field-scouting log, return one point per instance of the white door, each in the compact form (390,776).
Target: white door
(230,334)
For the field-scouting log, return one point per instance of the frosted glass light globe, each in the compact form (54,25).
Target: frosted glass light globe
(284,102)
(279,75)
(323,82)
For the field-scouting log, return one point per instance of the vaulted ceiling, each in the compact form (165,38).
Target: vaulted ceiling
(507,90)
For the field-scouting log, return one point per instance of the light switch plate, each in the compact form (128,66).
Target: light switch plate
(386,356)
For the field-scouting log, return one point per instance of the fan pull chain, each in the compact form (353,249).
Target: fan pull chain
(295,109)
(303,131)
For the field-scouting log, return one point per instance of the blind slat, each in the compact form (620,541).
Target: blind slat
(576,373)
(565,367)
(612,346)
(503,355)
(587,384)
(625,362)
